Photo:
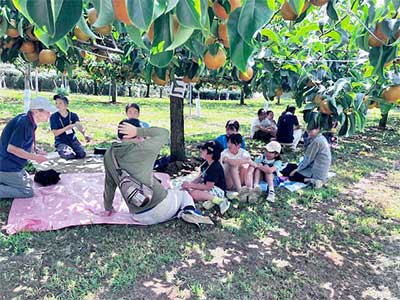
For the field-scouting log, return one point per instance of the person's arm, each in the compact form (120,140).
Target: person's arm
(60,131)
(236,161)
(201,186)
(267,169)
(21,153)
(296,123)
(157,136)
(309,156)
(82,130)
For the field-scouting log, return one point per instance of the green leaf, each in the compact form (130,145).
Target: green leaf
(3,28)
(331,11)
(181,37)
(85,28)
(192,13)
(240,51)
(396,4)
(271,35)
(56,18)
(162,40)
(297,5)
(141,13)
(63,45)
(136,36)
(105,13)
(254,14)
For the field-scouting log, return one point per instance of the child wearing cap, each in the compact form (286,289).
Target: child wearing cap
(231,127)
(62,123)
(267,168)
(210,185)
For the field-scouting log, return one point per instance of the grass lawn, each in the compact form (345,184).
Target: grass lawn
(339,242)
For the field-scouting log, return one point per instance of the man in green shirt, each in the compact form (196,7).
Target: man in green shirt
(136,152)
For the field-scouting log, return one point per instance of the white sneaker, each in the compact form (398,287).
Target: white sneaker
(224,206)
(271,196)
(243,194)
(318,183)
(232,195)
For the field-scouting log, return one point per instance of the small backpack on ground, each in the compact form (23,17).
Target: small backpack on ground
(47,177)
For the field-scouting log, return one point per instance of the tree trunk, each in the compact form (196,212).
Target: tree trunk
(383,120)
(95,88)
(241,96)
(113,91)
(147,90)
(129,91)
(161,90)
(177,121)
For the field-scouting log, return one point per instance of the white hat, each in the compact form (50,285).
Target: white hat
(42,103)
(273,146)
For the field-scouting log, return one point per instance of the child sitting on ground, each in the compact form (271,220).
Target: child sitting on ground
(235,161)
(210,185)
(132,111)
(268,166)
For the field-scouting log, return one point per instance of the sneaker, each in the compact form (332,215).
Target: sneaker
(271,196)
(232,195)
(318,183)
(243,194)
(210,203)
(224,206)
(192,217)
(255,194)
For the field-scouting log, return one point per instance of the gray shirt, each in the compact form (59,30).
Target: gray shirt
(317,159)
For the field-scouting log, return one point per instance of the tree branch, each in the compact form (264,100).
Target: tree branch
(101,47)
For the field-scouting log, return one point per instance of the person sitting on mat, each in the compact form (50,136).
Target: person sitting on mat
(231,127)
(62,123)
(314,167)
(16,143)
(209,186)
(135,153)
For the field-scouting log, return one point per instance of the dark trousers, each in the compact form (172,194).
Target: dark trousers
(71,151)
(263,136)
(297,177)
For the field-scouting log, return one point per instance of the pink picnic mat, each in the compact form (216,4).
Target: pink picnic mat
(77,199)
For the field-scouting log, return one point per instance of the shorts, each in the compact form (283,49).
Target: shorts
(217,192)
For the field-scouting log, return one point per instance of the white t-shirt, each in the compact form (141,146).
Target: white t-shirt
(242,154)
(256,122)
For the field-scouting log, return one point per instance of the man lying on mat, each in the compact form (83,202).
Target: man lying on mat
(135,153)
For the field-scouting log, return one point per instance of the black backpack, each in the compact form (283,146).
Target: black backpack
(48,177)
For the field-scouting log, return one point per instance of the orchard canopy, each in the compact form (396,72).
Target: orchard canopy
(337,57)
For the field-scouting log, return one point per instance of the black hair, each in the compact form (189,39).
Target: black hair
(232,124)
(61,97)
(134,122)
(235,139)
(291,109)
(260,111)
(132,105)
(269,111)
(214,148)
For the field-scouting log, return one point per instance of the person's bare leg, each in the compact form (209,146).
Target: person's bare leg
(234,174)
(228,179)
(249,177)
(198,195)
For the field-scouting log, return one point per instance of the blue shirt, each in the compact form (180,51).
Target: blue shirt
(58,122)
(18,132)
(223,140)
